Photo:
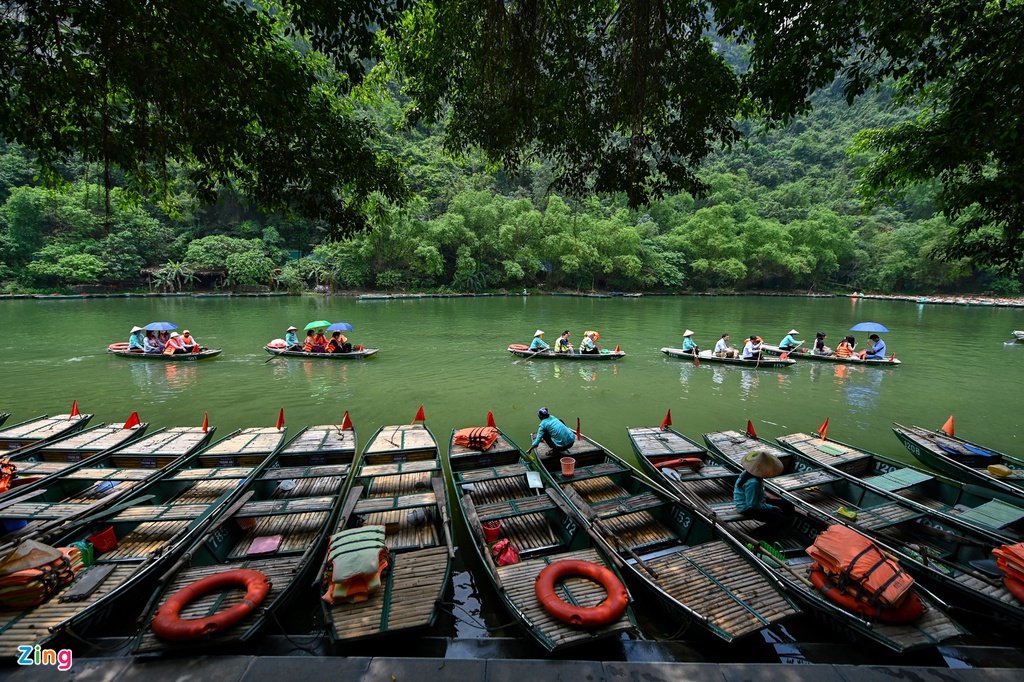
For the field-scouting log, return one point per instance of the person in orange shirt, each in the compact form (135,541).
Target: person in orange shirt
(319,342)
(188,344)
(174,345)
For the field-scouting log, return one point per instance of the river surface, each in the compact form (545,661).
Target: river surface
(450,356)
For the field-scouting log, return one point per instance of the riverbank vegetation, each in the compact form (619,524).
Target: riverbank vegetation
(764,207)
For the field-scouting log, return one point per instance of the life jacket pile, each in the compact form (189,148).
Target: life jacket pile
(32,585)
(357,559)
(860,568)
(6,474)
(1010,558)
(478,437)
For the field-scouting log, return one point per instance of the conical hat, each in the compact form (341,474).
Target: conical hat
(29,554)
(762,464)
(688,333)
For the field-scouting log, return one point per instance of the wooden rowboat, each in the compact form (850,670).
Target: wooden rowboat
(709,356)
(807,354)
(203,354)
(710,488)
(151,530)
(947,555)
(695,572)
(398,484)
(4,416)
(292,501)
(354,355)
(503,485)
(964,460)
(549,354)
(968,502)
(18,437)
(1018,335)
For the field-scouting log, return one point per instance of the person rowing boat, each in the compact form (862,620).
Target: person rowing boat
(790,343)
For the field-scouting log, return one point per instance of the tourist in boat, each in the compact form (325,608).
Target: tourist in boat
(339,344)
(688,345)
(291,339)
(819,345)
(538,343)
(723,349)
(173,344)
(136,341)
(188,344)
(562,345)
(552,431)
(790,343)
(848,349)
(877,350)
(752,348)
(750,497)
(308,346)
(162,338)
(319,342)
(587,345)
(151,344)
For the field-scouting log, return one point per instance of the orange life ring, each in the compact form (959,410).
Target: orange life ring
(118,346)
(168,624)
(1015,586)
(911,609)
(691,462)
(518,346)
(609,610)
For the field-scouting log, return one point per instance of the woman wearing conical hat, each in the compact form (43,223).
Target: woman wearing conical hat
(750,497)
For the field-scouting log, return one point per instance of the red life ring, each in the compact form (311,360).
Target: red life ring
(168,624)
(609,610)
(518,346)
(911,609)
(118,346)
(691,462)
(1015,586)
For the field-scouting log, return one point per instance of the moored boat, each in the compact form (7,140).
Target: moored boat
(503,488)
(1019,335)
(807,354)
(709,356)
(355,354)
(43,429)
(524,351)
(203,354)
(398,485)
(661,452)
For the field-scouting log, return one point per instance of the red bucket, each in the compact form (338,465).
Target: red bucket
(104,540)
(492,530)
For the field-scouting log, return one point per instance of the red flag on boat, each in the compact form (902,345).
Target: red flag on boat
(420,417)
(74,410)
(947,428)
(750,430)
(206,422)
(823,428)
(892,358)
(667,421)
(490,419)
(346,422)
(577,428)
(617,348)
(280,420)
(133,421)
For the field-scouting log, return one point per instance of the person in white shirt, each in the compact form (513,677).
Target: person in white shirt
(723,349)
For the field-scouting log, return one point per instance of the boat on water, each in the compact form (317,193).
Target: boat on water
(807,354)
(709,356)
(503,488)
(524,351)
(135,541)
(694,571)
(668,456)
(355,354)
(291,503)
(968,502)
(964,460)
(19,437)
(398,484)
(949,556)
(4,417)
(1019,335)
(204,353)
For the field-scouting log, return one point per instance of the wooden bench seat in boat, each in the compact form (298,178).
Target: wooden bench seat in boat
(394,468)
(205,474)
(395,503)
(315,471)
(509,508)
(804,479)
(285,506)
(726,512)
(627,505)
(490,473)
(898,479)
(706,473)
(885,515)
(583,473)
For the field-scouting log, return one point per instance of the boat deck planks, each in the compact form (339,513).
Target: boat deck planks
(734,444)
(653,442)
(393,439)
(824,452)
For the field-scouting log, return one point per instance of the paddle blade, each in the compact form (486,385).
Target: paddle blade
(74,410)
(133,421)
(823,428)
(784,356)
(206,422)
(280,420)
(490,419)
(667,421)
(696,360)
(420,417)
(346,422)
(577,428)
(750,430)
(947,428)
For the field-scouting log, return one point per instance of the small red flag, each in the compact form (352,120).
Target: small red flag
(577,428)
(133,421)
(420,417)
(947,428)
(823,428)
(206,422)
(893,357)
(750,430)
(280,420)
(617,348)
(346,422)
(667,422)
(74,410)
(490,419)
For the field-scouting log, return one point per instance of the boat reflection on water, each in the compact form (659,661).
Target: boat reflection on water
(169,378)
(562,371)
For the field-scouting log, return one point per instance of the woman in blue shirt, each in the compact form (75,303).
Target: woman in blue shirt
(538,343)
(136,342)
(688,345)
(749,494)
(790,342)
(291,339)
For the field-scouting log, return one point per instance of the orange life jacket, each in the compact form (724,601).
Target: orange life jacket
(189,344)
(308,347)
(844,350)
(1010,558)
(478,437)
(320,340)
(859,567)
(173,344)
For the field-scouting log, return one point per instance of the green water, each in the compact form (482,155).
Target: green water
(449,354)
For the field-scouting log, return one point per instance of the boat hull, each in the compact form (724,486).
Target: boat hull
(354,355)
(708,356)
(176,357)
(525,352)
(805,354)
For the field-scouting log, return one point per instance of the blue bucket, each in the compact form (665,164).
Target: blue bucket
(11,525)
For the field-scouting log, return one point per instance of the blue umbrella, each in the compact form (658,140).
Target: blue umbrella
(340,327)
(159,326)
(868,327)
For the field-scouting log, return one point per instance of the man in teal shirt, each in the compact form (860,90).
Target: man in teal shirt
(552,431)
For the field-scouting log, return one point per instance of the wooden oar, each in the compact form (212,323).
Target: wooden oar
(539,350)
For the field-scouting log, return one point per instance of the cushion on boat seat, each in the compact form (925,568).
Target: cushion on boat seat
(357,558)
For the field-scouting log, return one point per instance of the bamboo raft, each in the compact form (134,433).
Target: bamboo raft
(710,489)
(935,548)
(695,571)
(293,496)
(19,437)
(152,529)
(502,484)
(398,473)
